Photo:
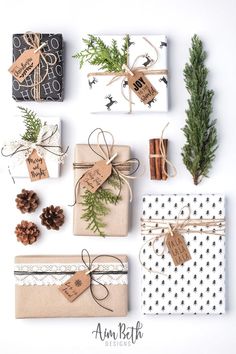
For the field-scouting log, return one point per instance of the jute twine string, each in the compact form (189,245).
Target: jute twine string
(124,170)
(162,229)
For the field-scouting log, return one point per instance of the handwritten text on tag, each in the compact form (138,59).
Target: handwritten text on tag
(96,176)
(24,64)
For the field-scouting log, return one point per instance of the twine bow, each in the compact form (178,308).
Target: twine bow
(130,71)
(47,142)
(122,169)
(162,229)
(163,157)
(91,271)
(49,59)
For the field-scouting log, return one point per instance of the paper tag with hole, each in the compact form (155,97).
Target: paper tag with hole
(24,64)
(76,285)
(96,176)
(177,248)
(37,167)
(142,87)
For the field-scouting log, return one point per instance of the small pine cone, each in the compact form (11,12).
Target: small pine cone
(52,217)
(27,232)
(27,201)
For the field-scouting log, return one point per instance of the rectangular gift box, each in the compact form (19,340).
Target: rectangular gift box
(110,98)
(198,285)
(117,221)
(20,170)
(52,87)
(39,277)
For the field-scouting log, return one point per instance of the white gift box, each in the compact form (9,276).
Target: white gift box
(110,98)
(198,285)
(19,170)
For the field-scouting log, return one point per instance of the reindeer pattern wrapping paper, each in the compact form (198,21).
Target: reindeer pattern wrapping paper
(197,286)
(115,96)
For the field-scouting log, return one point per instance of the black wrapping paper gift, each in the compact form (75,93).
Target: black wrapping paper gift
(50,86)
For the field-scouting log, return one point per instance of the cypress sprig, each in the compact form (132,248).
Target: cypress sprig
(95,205)
(198,153)
(32,123)
(106,57)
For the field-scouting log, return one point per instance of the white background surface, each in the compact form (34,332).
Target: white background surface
(214,21)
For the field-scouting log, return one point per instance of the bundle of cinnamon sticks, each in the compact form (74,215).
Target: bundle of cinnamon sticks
(157,158)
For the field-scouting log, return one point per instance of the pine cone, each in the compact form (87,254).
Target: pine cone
(52,217)
(27,201)
(27,232)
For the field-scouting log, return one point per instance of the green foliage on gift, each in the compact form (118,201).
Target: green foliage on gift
(32,123)
(200,130)
(95,205)
(107,57)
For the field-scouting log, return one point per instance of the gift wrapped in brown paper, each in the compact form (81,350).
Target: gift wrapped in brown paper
(105,211)
(71,286)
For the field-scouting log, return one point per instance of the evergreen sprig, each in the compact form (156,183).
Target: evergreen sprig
(200,130)
(106,57)
(95,205)
(32,123)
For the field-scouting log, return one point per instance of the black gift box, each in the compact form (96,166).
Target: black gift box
(52,87)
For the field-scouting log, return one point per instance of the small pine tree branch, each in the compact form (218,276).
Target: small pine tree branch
(106,57)
(200,130)
(32,123)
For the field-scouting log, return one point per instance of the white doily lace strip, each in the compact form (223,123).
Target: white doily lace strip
(58,273)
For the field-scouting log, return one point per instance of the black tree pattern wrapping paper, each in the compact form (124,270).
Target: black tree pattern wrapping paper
(197,286)
(52,87)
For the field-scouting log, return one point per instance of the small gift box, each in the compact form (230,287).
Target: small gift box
(36,152)
(105,212)
(71,286)
(183,254)
(38,60)
(126,73)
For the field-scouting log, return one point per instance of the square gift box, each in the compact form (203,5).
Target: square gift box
(117,220)
(49,83)
(146,52)
(198,285)
(38,279)
(17,163)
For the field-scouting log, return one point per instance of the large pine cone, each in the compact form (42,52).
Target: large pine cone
(27,201)
(52,217)
(27,232)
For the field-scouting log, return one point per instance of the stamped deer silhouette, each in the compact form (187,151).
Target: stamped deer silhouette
(129,42)
(92,82)
(150,102)
(148,61)
(110,103)
(163,44)
(125,83)
(163,79)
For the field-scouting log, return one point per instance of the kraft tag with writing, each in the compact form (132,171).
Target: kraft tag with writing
(37,167)
(76,285)
(96,176)
(24,64)
(142,87)
(178,248)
